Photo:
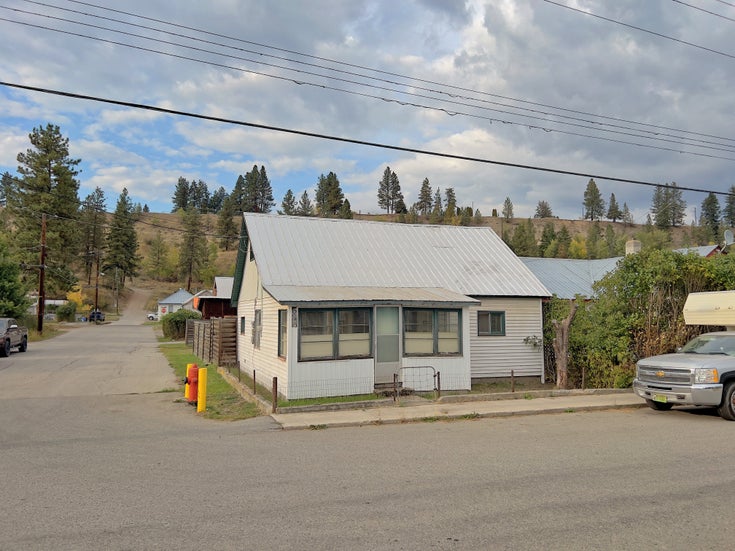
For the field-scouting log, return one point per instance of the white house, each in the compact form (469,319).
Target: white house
(337,307)
(174,302)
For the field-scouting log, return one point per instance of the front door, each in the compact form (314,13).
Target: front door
(387,343)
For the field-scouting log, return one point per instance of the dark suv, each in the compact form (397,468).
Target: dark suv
(96,315)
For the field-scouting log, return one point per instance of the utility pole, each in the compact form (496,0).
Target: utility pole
(97,282)
(41,277)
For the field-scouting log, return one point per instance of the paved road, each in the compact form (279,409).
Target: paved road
(93,457)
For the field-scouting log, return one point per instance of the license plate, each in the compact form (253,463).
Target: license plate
(660,398)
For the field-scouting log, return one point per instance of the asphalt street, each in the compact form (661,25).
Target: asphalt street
(94,455)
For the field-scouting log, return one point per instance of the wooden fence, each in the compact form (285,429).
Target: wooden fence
(213,340)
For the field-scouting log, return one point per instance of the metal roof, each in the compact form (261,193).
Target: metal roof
(567,278)
(295,251)
(223,286)
(179,297)
(289,294)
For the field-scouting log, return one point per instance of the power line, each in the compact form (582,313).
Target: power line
(641,29)
(636,132)
(346,140)
(724,148)
(703,10)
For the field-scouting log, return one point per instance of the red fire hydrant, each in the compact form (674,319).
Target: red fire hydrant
(192,382)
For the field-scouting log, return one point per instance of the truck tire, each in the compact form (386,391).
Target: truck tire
(659,406)
(23,345)
(727,407)
(5,349)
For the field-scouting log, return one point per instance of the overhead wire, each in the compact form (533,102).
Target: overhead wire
(346,140)
(636,133)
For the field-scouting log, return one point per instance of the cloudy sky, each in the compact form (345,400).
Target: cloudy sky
(630,89)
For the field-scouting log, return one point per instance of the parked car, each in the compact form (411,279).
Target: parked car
(96,315)
(702,373)
(152,316)
(13,336)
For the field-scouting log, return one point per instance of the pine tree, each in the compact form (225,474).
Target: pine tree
(227,229)
(157,264)
(249,201)
(238,193)
(264,201)
(182,195)
(345,211)
(678,205)
(7,185)
(548,234)
(437,213)
(384,195)
(711,217)
(507,211)
(47,184)
(193,254)
(329,196)
(122,241)
(627,216)
(523,241)
(661,208)
(216,200)
(289,204)
(450,210)
(93,220)
(305,208)
(13,300)
(564,242)
(543,210)
(613,210)
(594,204)
(425,202)
(728,213)
(199,196)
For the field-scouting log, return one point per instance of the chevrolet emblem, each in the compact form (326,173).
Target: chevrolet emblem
(660,374)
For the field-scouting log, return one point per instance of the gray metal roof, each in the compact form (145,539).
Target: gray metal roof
(179,297)
(223,286)
(567,278)
(289,294)
(294,251)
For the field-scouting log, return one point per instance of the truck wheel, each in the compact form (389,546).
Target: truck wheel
(659,406)
(23,345)
(5,350)
(727,407)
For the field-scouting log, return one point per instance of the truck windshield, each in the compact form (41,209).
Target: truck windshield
(711,344)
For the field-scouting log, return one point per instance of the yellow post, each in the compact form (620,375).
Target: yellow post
(186,385)
(202,390)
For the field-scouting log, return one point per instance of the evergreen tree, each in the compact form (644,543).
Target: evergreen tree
(678,205)
(193,254)
(594,204)
(543,210)
(437,212)
(384,193)
(548,235)
(216,200)
(613,210)
(47,184)
(450,210)
(610,242)
(564,242)
(249,201)
(13,300)
(329,196)
(199,196)
(661,208)
(289,204)
(477,218)
(157,264)
(122,240)
(7,185)
(728,213)
(227,229)
(93,219)
(182,195)
(425,202)
(711,217)
(396,195)
(345,211)
(627,216)
(523,241)
(238,193)
(400,207)
(507,211)
(264,198)
(592,240)
(305,208)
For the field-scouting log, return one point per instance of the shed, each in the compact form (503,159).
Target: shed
(174,302)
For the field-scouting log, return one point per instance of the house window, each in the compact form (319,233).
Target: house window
(257,328)
(490,324)
(334,334)
(282,332)
(242,325)
(431,332)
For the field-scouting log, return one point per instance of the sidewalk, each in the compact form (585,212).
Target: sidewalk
(410,411)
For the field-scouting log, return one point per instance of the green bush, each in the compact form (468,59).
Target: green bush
(174,324)
(67,312)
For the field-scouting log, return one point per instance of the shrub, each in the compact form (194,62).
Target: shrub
(67,311)
(174,324)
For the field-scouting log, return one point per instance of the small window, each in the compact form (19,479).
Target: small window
(490,324)
(242,325)
(429,332)
(282,332)
(334,334)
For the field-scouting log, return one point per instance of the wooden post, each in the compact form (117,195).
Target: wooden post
(512,381)
(395,387)
(255,390)
(439,384)
(275,394)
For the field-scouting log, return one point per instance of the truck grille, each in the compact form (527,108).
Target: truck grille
(664,375)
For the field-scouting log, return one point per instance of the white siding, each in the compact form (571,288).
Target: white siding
(330,378)
(496,356)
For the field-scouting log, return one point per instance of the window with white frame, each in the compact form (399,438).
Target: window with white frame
(490,324)
(282,332)
(334,333)
(432,332)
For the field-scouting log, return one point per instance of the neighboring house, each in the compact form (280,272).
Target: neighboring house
(174,302)
(217,303)
(337,307)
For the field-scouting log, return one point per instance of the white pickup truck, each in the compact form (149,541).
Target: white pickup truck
(702,373)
